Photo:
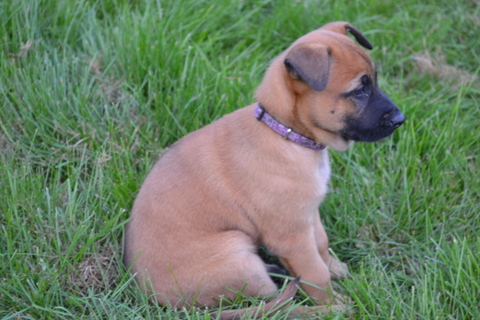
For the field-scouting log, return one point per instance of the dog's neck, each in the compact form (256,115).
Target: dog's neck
(287,133)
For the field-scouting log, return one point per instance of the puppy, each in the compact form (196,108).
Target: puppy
(257,176)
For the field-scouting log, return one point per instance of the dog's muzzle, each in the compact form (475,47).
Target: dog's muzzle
(378,120)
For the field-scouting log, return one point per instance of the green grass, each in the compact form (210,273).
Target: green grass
(91,92)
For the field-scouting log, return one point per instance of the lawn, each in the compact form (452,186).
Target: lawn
(92,92)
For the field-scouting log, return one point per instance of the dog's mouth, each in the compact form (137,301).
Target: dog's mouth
(367,136)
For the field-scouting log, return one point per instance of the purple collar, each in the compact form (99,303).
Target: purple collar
(262,115)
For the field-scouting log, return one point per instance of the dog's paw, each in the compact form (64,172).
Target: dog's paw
(338,270)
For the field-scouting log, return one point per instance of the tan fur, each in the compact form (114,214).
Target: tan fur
(221,191)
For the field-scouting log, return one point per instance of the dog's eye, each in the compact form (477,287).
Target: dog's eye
(359,92)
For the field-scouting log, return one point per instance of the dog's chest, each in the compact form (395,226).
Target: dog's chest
(322,175)
(315,174)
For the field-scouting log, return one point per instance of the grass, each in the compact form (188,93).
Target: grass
(91,92)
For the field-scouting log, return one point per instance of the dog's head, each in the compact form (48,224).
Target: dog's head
(325,87)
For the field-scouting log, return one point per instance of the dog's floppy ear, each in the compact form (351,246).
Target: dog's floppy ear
(309,63)
(345,27)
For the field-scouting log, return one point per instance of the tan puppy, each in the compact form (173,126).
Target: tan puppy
(257,176)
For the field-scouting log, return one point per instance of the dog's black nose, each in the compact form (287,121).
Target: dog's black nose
(397,120)
(394,118)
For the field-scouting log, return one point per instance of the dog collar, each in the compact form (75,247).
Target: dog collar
(287,133)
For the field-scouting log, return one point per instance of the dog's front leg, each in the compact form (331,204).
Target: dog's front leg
(337,269)
(299,254)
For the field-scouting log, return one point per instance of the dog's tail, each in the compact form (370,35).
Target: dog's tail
(267,309)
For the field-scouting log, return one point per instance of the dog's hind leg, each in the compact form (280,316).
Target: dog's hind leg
(230,266)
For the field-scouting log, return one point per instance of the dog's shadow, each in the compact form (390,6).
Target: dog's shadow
(274,266)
